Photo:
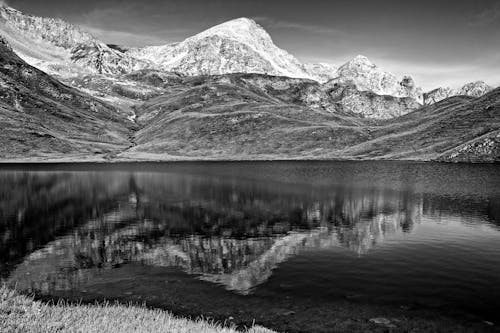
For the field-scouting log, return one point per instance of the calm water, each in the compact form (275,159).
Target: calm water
(257,237)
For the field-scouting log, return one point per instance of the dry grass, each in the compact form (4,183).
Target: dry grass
(22,314)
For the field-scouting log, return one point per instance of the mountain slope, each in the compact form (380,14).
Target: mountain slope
(56,46)
(42,118)
(453,129)
(240,116)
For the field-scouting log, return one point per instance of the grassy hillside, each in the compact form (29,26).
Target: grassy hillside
(257,117)
(232,117)
(434,132)
(41,117)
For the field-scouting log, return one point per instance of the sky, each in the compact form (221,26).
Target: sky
(438,42)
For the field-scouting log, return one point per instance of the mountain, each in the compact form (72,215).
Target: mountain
(43,118)
(473,89)
(56,46)
(240,45)
(253,116)
(367,76)
(237,46)
(321,72)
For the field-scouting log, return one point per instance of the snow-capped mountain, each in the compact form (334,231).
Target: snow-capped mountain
(367,76)
(240,45)
(472,89)
(55,46)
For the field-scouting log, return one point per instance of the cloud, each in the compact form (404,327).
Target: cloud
(487,17)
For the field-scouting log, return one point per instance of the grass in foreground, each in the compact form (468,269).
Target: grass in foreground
(22,314)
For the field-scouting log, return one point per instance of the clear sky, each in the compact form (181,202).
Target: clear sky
(438,42)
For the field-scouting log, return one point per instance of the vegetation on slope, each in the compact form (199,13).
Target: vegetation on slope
(245,116)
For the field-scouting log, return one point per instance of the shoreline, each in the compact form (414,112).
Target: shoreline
(20,313)
(104,161)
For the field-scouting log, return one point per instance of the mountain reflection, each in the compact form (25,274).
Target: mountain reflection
(60,229)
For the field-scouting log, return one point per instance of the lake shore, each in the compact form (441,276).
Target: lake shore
(20,313)
(165,158)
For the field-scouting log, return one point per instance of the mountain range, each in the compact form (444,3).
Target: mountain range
(226,93)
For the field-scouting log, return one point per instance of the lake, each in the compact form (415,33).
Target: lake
(284,243)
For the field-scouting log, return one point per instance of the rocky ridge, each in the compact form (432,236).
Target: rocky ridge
(367,76)
(55,46)
(472,89)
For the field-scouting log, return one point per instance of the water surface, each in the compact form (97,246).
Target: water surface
(256,239)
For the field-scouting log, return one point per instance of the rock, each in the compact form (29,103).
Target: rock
(437,95)
(382,321)
(474,89)
(368,104)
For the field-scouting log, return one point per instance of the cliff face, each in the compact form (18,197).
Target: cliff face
(370,105)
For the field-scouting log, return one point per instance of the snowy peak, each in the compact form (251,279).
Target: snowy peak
(367,76)
(241,29)
(236,46)
(359,61)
